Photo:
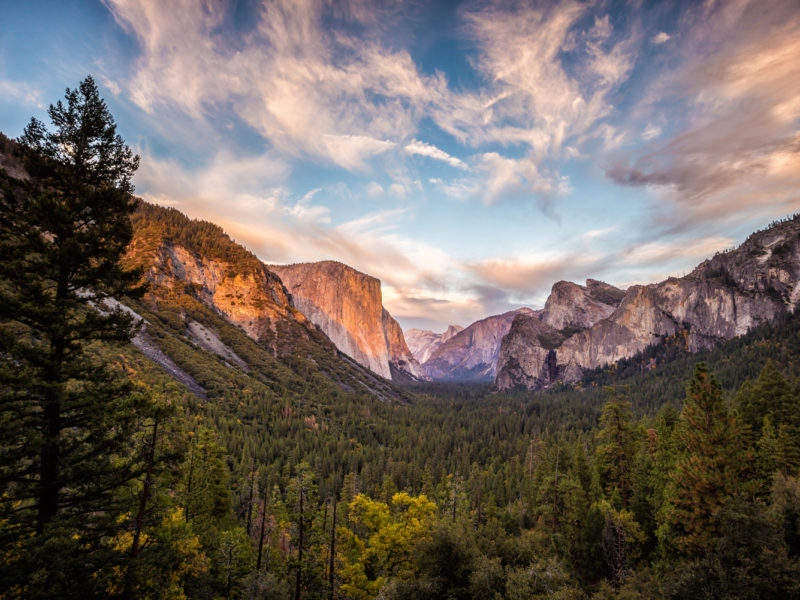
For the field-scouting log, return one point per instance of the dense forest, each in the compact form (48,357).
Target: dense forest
(667,475)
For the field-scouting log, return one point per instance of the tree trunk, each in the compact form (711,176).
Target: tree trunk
(555,491)
(143,498)
(189,482)
(333,551)
(48,468)
(250,499)
(49,485)
(299,546)
(261,535)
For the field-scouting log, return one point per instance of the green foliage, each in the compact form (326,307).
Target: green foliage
(710,470)
(617,448)
(382,541)
(746,559)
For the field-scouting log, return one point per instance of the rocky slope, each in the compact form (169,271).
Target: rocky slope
(472,353)
(723,297)
(423,342)
(347,306)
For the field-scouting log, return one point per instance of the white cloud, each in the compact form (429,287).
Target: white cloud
(514,178)
(281,78)
(431,151)
(23,91)
(319,92)
(374,189)
(660,38)
(352,151)
(650,132)
(732,151)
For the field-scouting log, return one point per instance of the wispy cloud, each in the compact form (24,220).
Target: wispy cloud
(324,93)
(431,151)
(661,38)
(308,90)
(734,99)
(21,90)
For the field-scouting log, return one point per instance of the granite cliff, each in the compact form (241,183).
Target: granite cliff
(347,306)
(472,353)
(423,342)
(592,326)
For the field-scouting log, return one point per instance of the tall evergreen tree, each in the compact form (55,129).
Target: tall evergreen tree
(617,448)
(711,469)
(770,396)
(66,416)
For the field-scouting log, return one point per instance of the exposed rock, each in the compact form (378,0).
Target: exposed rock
(423,343)
(252,299)
(723,297)
(151,350)
(573,306)
(347,306)
(402,363)
(472,353)
(209,341)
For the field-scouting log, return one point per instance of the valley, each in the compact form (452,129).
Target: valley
(400,300)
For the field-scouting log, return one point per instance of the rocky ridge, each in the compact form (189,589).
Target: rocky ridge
(206,290)
(597,325)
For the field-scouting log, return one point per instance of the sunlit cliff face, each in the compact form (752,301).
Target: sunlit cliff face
(347,306)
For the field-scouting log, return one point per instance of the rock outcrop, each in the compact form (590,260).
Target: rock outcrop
(252,298)
(347,306)
(472,353)
(423,342)
(590,327)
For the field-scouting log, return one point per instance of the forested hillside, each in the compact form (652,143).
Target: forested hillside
(273,467)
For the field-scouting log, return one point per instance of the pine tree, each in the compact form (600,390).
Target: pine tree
(617,448)
(67,416)
(712,468)
(770,396)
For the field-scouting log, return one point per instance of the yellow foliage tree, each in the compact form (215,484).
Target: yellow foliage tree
(382,542)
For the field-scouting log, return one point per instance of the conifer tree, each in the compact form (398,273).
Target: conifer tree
(711,469)
(617,446)
(770,396)
(67,416)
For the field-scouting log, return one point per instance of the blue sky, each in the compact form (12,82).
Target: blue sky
(469,154)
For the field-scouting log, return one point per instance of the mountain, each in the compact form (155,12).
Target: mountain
(210,297)
(423,342)
(589,327)
(347,306)
(472,353)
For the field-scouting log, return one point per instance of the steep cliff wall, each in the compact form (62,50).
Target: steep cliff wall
(723,297)
(252,298)
(472,353)
(347,306)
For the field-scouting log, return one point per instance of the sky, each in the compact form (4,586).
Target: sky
(468,154)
